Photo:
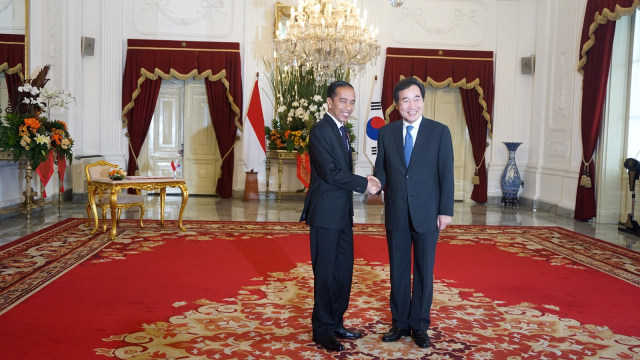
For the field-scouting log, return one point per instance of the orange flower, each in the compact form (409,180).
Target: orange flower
(56,137)
(286,134)
(32,123)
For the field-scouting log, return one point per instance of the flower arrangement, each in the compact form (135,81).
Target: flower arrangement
(26,130)
(117,174)
(299,103)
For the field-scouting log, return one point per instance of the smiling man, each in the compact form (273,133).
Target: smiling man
(328,210)
(415,163)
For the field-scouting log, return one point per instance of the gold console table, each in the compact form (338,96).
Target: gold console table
(139,183)
(30,202)
(279,155)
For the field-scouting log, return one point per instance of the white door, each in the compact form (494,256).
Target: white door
(445,105)
(201,154)
(181,132)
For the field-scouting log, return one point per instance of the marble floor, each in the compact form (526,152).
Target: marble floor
(213,208)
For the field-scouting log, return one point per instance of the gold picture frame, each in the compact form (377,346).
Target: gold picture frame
(282,15)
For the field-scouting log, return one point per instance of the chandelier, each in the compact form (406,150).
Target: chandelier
(328,36)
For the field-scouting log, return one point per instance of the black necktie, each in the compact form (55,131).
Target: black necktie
(345,137)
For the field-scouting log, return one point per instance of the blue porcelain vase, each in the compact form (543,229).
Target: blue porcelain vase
(510,179)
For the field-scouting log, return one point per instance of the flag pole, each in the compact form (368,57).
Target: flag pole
(374,199)
(251,177)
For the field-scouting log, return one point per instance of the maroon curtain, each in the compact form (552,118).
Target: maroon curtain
(478,135)
(596,44)
(218,63)
(472,71)
(140,120)
(12,59)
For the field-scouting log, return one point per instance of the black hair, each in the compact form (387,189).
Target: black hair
(405,84)
(333,87)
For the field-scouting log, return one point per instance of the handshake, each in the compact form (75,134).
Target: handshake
(373,185)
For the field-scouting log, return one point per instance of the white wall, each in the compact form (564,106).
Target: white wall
(541,110)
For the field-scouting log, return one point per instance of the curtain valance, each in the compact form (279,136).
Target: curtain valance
(215,62)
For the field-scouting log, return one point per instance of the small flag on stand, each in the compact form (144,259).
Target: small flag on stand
(254,144)
(173,165)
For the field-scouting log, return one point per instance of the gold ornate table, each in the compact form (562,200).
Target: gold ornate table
(138,183)
(30,202)
(280,155)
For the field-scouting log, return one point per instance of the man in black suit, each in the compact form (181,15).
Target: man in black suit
(415,165)
(328,210)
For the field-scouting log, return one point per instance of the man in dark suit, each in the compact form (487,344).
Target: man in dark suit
(415,165)
(328,210)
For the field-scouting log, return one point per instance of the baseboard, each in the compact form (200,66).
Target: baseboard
(535,205)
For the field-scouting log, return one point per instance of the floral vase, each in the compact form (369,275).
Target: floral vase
(510,179)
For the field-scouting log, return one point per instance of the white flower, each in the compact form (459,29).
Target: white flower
(317,98)
(43,139)
(282,108)
(65,143)
(295,104)
(25,141)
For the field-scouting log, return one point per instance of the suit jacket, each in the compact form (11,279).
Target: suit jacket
(329,201)
(424,189)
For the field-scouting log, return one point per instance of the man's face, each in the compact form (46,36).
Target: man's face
(410,103)
(342,104)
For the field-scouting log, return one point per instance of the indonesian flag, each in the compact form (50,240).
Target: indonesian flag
(375,122)
(253,144)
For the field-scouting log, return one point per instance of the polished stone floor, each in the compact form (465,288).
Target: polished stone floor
(213,208)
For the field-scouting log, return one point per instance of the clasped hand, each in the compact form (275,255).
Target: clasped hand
(373,185)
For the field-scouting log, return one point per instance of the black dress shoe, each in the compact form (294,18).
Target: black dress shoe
(343,333)
(395,333)
(421,338)
(330,343)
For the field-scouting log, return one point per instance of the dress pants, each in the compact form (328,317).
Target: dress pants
(332,261)
(411,310)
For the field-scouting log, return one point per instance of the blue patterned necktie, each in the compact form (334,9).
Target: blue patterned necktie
(408,145)
(345,137)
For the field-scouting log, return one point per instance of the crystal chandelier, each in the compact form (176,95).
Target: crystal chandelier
(327,35)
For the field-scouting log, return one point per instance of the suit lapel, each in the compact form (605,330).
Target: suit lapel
(338,137)
(421,139)
(399,141)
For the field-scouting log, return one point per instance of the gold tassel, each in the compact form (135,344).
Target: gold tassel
(585,179)
(476,179)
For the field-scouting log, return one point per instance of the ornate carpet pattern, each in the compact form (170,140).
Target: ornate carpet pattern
(268,317)
(34,261)
(269,320)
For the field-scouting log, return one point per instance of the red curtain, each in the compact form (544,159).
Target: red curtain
(478,136)
(216,63)
(471,71)
(12,59)
(595,59)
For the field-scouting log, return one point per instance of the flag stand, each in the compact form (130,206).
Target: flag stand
(374,199)
(251,187)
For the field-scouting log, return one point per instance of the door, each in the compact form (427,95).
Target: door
(181,132)
(201,154)
(445,105)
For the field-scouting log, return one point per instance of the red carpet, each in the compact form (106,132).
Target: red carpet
(226,290)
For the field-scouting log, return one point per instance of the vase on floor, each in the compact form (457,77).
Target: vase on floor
(510,179)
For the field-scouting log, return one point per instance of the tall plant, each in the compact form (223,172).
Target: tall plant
(299,102)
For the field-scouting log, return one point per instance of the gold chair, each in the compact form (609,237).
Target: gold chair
(101,169)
